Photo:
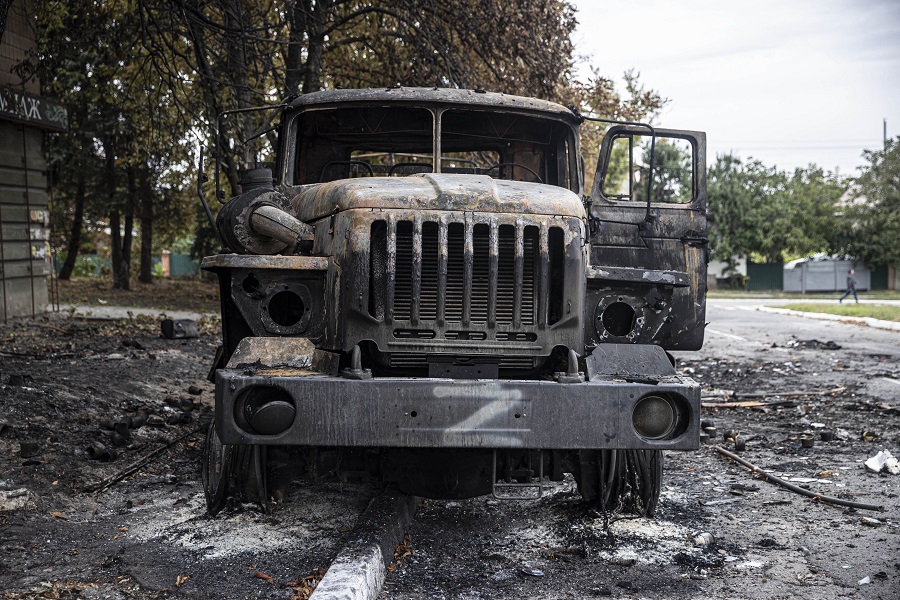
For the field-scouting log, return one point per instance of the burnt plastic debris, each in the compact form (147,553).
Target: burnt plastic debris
(813,345)
(29,448)
(99,451)
(179,329)
(703,538)
(178,418)
(138,420)
(883,461)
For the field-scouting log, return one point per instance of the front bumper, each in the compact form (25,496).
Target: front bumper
(448,413)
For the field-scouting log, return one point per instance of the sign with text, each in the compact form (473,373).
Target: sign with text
(33,110)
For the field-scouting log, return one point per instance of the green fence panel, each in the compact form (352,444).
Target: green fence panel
(879,277)
(765,276)
(182,266)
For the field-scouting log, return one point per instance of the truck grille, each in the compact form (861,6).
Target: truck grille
(501,272)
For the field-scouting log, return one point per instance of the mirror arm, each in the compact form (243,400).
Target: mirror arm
(648,217)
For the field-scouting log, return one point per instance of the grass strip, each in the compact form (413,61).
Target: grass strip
(883,312)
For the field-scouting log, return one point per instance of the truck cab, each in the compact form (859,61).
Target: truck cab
(421,290)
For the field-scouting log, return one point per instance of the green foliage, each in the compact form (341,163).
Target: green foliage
(759,210)
(145,81)
(598,97)
(90,266)
(870,225)
(672,174)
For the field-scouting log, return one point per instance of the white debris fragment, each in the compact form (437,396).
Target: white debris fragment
(882,461)
(20,499)
(865,580)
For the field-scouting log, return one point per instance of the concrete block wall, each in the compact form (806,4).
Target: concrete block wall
(24,221)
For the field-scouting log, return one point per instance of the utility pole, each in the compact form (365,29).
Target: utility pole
(884,134)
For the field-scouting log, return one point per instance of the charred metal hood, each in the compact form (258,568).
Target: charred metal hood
(436,191)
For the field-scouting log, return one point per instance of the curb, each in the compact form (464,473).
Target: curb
(114,313)
(867,321)
(358,572)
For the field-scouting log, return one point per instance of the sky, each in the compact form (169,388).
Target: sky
(787,82)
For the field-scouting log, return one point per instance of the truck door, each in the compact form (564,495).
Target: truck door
(648,243)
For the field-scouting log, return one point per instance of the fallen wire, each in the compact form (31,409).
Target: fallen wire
(133,467)
(796,489)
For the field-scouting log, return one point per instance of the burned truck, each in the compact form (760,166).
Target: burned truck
(421,292)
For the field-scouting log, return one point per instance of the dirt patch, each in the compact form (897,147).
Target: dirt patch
(162,294)
(64,383)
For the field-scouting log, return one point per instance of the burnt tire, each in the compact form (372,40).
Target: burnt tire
(232,471)
(216,469)
(250,477)
(623,481)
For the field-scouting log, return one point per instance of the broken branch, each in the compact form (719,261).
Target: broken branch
(797,394)
(796,489)
(133,467)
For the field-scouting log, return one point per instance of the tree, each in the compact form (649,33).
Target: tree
(124,132)
(599,98)
(870,225)
(149,78)
(760,211)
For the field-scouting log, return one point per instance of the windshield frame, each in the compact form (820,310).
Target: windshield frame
(289,151)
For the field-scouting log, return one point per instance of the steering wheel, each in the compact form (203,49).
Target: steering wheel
(512,164)
(409,164)
(346,162)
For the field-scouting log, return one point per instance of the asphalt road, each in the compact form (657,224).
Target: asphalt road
(767,542)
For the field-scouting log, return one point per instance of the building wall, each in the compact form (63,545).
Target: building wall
(24,219)
(15,44)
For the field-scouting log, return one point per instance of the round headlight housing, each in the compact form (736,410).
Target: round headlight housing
(657,417)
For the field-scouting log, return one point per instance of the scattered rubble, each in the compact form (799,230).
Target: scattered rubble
(883,461)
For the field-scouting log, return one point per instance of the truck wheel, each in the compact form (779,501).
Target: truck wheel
(228,470)
(216,467)
(250,475)
(620,480)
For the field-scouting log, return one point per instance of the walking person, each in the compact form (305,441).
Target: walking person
(851,287)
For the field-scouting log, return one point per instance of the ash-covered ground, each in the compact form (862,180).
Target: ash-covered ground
(74,526)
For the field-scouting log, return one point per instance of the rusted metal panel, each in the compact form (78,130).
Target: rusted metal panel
(432,191)
(269,261)
(413,96)
(445,413)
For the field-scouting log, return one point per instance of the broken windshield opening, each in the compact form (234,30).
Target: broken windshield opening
(397,141)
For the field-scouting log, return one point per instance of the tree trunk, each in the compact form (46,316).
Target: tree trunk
(119,266)
(210,86)
(129,229)
(145,193)
(315,28)
(75,237)
(293,68)
(115,247)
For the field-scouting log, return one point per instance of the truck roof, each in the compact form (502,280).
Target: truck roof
(429,97)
